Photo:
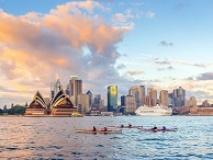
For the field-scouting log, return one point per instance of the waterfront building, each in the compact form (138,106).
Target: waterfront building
(138,92)
(179,97)
(152,94)
(55,88)
(201,111)
(37,106)
(62,105)
(112,97)
(96,104)
(170,100)
(75,87)
(89,93)
(164,98)
(123,100)
(130,105)
(206,104)
(192,102)
(102,107)
(83,103)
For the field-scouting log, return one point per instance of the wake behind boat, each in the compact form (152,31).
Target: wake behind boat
(101,131)
(153,111)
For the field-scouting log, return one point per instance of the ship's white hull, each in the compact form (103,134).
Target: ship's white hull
(153,111)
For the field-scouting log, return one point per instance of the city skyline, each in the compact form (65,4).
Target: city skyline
(159,44)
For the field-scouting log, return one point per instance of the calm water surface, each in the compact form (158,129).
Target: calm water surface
(56,138)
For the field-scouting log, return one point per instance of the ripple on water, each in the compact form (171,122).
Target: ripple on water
(100,145)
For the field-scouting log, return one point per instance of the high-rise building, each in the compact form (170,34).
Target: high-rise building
(179,97)
(171,101)
(123,100)
(97,102)
(130,105)
(83,103)
(138,92)
(112,98)
(164,98)
(75,86)
(90,97)
(152,93)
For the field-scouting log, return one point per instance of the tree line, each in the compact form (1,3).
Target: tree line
(14,110)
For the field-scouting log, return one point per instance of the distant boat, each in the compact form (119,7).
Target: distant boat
(159,130)
(76,114)
(153,111)
(109,131)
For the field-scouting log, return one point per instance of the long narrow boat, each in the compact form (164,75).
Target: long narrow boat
(109,131)
(126,126)
(159,130)
(129,127)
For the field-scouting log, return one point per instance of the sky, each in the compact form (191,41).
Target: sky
(157,43)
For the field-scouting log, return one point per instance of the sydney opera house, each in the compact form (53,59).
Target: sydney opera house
(61,105)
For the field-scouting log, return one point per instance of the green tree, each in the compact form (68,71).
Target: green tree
(1,111)
(17,109)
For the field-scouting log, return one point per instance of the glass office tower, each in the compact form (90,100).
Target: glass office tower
(112,98)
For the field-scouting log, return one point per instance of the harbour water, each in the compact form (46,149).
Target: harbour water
(56,138)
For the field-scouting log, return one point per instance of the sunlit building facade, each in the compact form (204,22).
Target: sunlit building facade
(152,94)
(83,103)
(37,106)
(75,87)
(62,105)
(164,98)
(130,105)
(138,92)
(112,98)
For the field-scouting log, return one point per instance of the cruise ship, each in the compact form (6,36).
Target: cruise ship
(153,111)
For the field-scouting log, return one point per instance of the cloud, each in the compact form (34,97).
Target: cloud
(200,65)
(135,72)
(164,61)
(205,76)
(150,14)
(166,44)
(121,66)
(122,17)
(168,61)
(36,47)
(168,68)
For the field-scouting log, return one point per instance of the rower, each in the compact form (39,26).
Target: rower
(164,128)
(130,126)
(122,126)
(105,129)
(94,129)
(154,128)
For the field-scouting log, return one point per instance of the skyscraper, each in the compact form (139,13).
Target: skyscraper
(152,94)
(130,106)
(89,93)
(112,97)
(164,98)
(138,93)
(96,104)
(75,86)
(83,103)
(123,100)
(179,97)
